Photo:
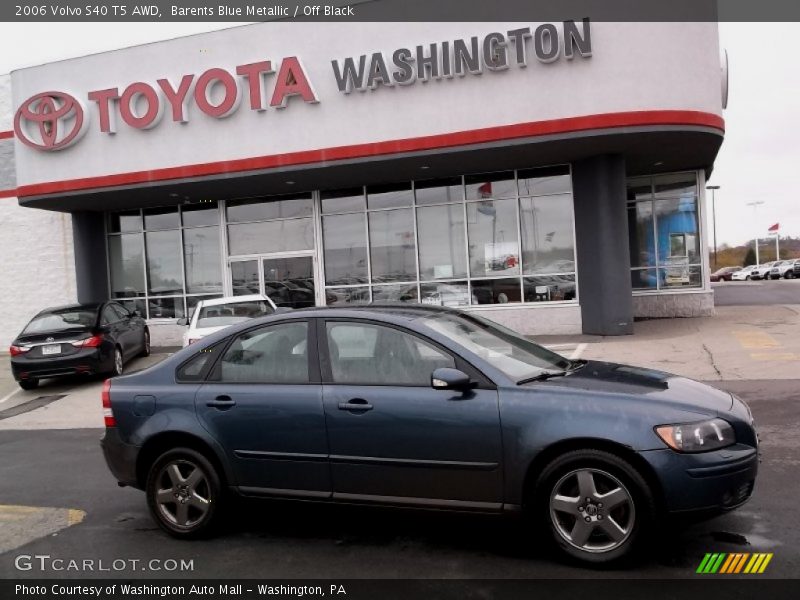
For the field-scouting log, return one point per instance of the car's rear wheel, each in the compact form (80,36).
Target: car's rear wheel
(184,493)
(119,364)
(28,384)
(146,343)
(789,275)
(598,508)
(747,278)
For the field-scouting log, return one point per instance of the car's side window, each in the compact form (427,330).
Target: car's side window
(368,354)
(121,312)
(108,316)
(272,354)
(195,368)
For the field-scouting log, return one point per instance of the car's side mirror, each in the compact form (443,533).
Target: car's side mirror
(445,378)
(183,321)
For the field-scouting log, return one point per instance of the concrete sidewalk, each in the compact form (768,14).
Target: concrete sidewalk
(739,342)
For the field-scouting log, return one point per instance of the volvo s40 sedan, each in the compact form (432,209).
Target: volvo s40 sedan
(415,406)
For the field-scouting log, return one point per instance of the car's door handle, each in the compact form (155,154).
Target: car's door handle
(221,402)
(355,404)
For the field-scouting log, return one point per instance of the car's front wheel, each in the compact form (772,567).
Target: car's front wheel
(184,493)
(598,508)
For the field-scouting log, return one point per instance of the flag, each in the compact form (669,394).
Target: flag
(548,237)
(485,190)
(774,227)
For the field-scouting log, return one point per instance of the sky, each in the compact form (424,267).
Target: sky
(759,159)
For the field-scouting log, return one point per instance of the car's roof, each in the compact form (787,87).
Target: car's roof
(86,306)
(405,311)
(233,299)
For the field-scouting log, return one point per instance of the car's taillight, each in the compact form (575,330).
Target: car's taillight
(17,350)
(92,342)
(108,414)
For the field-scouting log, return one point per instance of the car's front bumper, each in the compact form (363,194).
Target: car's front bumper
(709,482)
(120,457)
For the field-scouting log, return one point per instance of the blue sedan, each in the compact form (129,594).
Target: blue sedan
(425,407)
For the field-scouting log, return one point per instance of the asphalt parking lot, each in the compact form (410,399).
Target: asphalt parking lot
(756,293)
(58,498)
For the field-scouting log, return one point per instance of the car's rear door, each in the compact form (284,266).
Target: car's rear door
(131,331)
(263,404)
(395,439)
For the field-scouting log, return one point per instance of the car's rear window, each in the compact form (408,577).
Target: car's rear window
(222,315)
(73,318)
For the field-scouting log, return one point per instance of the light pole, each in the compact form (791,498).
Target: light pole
(755,204)
(713,189)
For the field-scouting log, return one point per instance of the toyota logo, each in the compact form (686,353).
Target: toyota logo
(50,121)
(50,339)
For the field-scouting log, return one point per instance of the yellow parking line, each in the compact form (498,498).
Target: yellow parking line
(754,339)
(75,516)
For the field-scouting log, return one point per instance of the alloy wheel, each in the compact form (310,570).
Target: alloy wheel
(118,364)
(183,493)
(592,510)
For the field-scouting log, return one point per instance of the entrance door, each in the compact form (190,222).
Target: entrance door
(287,280)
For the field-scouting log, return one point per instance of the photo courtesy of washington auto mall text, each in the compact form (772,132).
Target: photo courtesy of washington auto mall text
(390,299)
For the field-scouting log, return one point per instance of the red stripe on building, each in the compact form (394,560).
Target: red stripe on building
(8,193)
(386,148)
(5,135)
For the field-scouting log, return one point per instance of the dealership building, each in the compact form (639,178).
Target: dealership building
(548,176)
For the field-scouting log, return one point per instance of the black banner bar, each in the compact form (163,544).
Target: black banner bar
(706,588)
(397,10)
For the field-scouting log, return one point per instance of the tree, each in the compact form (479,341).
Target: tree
(750,257)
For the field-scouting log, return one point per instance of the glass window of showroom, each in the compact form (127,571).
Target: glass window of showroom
(664,232)
(493,238)
(496,238)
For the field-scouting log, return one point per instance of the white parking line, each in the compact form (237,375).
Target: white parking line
(578,351)
(9,395)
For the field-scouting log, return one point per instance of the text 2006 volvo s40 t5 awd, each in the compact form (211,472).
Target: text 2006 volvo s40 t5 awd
(425,407)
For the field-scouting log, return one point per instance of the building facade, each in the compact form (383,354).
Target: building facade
(548,176)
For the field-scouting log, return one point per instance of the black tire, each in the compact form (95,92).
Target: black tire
(117,362)
(29,384)
(200,521)
(631,520)
(747,278)
(146,345)
(788,275)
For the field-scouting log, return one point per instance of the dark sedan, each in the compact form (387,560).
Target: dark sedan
(724,274)
(427,407)
(79,339)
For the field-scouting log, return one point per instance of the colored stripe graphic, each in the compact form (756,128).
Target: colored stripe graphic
(731,564)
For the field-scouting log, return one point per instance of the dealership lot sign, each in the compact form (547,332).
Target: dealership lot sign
(54,120)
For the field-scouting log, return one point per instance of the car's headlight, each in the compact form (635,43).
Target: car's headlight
(697,437)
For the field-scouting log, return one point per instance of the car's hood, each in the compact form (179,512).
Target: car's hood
(656,386)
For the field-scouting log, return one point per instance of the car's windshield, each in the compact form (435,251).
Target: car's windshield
(515,356)
(222,315)
(69,318)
